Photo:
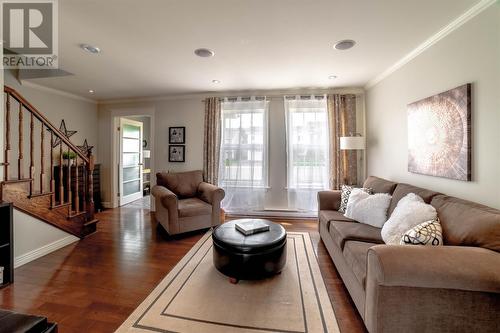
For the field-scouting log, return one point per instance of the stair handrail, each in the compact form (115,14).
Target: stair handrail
(18,97)
(86,157)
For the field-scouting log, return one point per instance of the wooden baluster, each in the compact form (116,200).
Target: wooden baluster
(61,183)
(20,173)
(77,192)
(32,149)
(68,184)
(84,186)
(90,188)
(42,157)
(52,181)
(7,138)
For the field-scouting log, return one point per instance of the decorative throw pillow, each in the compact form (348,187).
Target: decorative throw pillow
(368,209)
(410,212)
(427,233)
(346,192)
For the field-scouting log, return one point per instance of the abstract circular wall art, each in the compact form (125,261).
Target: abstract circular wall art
(439,134)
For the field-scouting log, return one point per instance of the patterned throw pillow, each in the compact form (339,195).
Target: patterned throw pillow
(344,196)
(427,233)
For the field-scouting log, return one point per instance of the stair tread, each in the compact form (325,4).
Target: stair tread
(35,195)
(14,181)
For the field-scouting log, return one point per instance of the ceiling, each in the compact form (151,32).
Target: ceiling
(147,46)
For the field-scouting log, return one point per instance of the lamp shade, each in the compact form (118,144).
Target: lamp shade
(352,143)
(146,153)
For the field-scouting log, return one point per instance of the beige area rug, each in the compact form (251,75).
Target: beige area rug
(195,297)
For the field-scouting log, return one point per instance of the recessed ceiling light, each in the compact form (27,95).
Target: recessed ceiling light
(91,91)
(344,44)
(332,77)
(215,81)
(204,53)
(90,48)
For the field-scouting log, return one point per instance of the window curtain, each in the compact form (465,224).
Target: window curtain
(307,139)
(243,170)
(211,142)
(342,122)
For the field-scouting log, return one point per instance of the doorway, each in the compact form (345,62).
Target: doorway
(134,159)
(131,161)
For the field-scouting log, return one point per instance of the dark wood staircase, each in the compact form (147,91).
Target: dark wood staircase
(72,209)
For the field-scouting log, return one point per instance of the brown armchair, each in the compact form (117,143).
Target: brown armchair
(184,202)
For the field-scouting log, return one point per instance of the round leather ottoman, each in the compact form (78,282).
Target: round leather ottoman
(249,257)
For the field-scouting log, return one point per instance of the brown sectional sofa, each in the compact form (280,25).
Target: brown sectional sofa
(410,288)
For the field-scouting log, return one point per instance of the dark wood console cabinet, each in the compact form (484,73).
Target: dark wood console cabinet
(6,243)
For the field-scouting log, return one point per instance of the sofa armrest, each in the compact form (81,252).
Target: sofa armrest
(431,289)
(210,193)
(444,267)
(167,198)
(329,200)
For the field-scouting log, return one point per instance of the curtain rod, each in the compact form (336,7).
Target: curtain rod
(268,97)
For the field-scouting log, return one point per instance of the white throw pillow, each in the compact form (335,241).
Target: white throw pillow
(368,209)
(427,233)
(410,212)
(346,192)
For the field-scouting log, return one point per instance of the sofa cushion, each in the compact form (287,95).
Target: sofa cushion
(428,233)
(369,209)
(467,223)
(403,189)
(326,216)
(410,212)
(183,184)
(355,255)
(342,232)
(193,207)
(379,185)
(346,193)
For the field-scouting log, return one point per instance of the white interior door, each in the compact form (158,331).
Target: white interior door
(131,161)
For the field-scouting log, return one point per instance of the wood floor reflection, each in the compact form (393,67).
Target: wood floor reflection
(93,285)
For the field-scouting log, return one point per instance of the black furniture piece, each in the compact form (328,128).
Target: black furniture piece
(96,185)
(249,257)
(6,243)
(14,322)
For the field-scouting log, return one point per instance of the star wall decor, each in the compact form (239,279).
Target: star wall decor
(86,149)
(63,130)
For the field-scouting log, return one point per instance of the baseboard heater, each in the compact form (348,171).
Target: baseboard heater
(289,213)
(284,210)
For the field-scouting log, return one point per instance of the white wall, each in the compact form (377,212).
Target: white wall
(469,54)
(80,115)
(34,238)
(189,112)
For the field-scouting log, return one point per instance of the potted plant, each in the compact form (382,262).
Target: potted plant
(69,156)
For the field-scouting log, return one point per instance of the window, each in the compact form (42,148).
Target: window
(307,143)
(243,161)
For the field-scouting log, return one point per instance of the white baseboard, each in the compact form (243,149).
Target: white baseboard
(44,250)
(107,204)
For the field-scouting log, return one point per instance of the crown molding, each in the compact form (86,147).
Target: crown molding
(268,93)
(445,31)
(37,86)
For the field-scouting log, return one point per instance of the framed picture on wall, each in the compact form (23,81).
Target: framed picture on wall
(177,135)
(176,153)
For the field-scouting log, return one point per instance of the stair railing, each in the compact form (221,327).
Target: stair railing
(69,191)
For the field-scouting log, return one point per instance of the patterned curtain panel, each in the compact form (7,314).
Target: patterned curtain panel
(211,146)
(342,122)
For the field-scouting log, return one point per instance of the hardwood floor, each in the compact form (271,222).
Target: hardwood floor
(94,285)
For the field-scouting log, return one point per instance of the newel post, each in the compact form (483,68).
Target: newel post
(90,187)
